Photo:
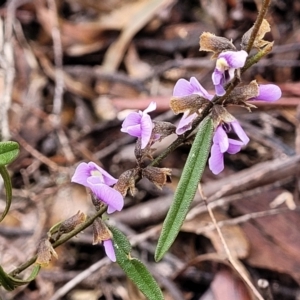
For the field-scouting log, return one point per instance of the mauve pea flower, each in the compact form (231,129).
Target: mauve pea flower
(222,144)
(99,181)
(109,249)
(139,124)
(182,88)
(268,92)
(227,63)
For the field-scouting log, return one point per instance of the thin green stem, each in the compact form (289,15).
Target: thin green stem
(61,241)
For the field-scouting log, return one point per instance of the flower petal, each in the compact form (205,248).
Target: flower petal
(185,123)
(185,88)
(234,59)
(107,178)
(151,107)
(134,130)
(221,138)
(132,119)
(199,89)
(240,132)
(109,250)
(216,160)
(234,146)
(146,130)
(82,172)
(182,88)
(268,92)
(108,195)
(218,81)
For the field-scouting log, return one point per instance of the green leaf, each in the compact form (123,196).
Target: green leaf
(134,268)
(8,152)
(187,187)
(121,239)
(10,283)
(5,280)
(8,189)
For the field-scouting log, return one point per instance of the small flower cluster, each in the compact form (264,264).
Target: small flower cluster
(189,98)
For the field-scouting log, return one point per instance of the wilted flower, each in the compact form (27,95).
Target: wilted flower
(99,181)
(139,124)
(101,234)
(222,144)
(189,106)
(227,63)
(258,42)
(159,176)
(45,252)
(216,44)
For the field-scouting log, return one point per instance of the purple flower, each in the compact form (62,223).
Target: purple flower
(222,144)
(109,249)
(99,181)
(226,64)
(140,124)
(268,92)
(186,88)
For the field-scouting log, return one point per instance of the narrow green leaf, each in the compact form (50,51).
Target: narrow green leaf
(134,268)
(187,187)
(8,189)
(120,239)
(10,283)
(8,152)
(5,280)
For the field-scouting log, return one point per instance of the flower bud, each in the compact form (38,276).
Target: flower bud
(45,252)
(71,223)
(126,181)
(158,176)
(216,44)
(241,94)
(100,232)
(162,129)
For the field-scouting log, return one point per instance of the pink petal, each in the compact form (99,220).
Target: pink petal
(108,195)
(234,146)
(132,119)
(182,88)
(216,160)
(135,130)
(185,123)
(151,107)
(199,89)
(109,250)
(268,92)
(82,172)
(221,138)
(234,59)
(218,81)
(107,178)
(240,132)
(146,130)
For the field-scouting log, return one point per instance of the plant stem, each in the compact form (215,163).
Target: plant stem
(62,240)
